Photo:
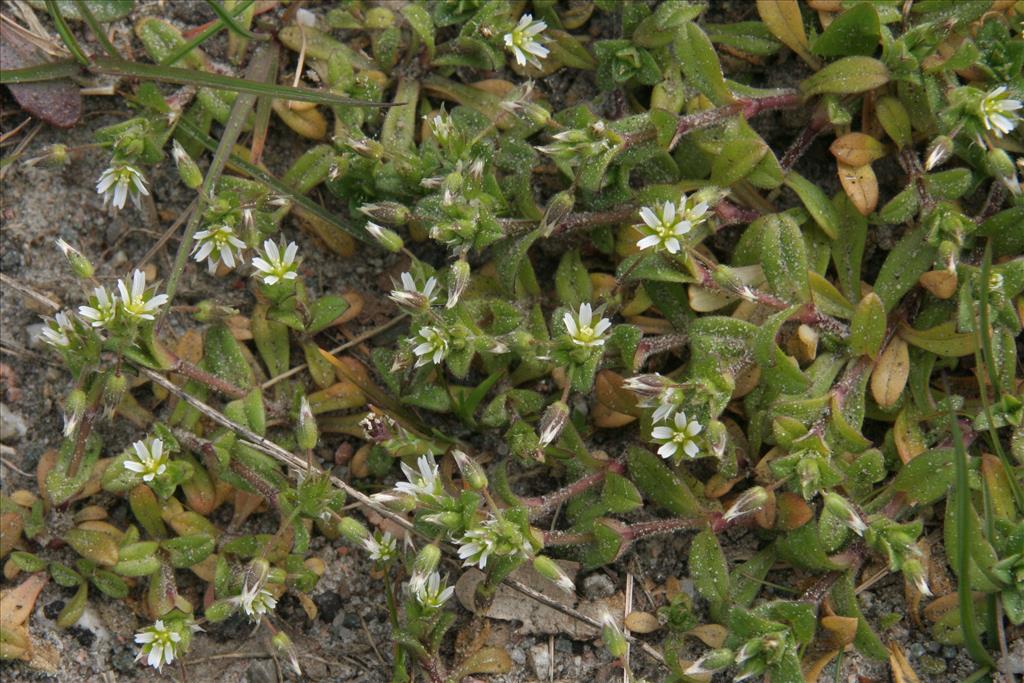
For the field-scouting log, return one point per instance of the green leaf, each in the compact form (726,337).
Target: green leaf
(325,311)
(188,551)
(803,548)
(421,23)
(784,258)
(737,158)
(271,338)
(572,281)
(658,483)
(927,477)
(74,608)
(509,258)
(895,120)
(223,357)
(104,11)
(699,63)
(905,263)
(848,247)
(847,76)
(844,600)
(942,340)
(619,495)
(816,201)
(854,32)
(867,328)
(708,568)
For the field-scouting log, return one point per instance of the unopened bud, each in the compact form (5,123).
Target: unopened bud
(393,501)
(277,575)
(459,281)
(717,438)
(74,409)
(188,169)
(391,213)
(472,473)
(427,560)
(281,641)
(752,500)
(387,238)
(371,149)
(550,570)
(306,432)
(353,531)
(716,660)
(558,208)
(552,422)
(80,265)
(446,520)
(914,570)
(938,152)
(611,634)
(54,155)
(999,163)
(256,572)
(113,392)
(844,512)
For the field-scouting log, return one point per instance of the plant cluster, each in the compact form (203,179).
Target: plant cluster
(637,294)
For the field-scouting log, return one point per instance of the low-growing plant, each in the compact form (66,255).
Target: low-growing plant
(637,296)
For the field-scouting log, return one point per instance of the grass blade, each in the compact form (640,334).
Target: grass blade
(96,28)
(229,20)
(171,74)
(202,37)
(41,72)
(70,42)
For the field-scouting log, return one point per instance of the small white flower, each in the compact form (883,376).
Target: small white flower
(429,592)
(149,461)
(750,501)
(424,484)
(662,228)
(433,347)
(999,112)
(476,545)
(411,295)
(134,302)
(442,126)
(381,549)
(103,310)
(580,330)
(522,44)
(218,244)
(55,332)
(161,643)
(495,536)
(120,181)
(680,435)
(276,267)
(255,601)
(667,403)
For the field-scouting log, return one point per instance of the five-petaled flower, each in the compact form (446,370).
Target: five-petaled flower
(134,302)
(120,181)
(680,435)
(433,346)
(276,267)
(425,484)
(381,549)
(163,641)
(149,461)
(662,228)
(218,244)
(255,601)
(522,44)
(430,593)
(412,295)
(999,112)
(103,310)
(581,329)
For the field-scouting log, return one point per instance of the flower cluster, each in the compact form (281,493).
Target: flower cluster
(522,41)
(998,111)
(135,303)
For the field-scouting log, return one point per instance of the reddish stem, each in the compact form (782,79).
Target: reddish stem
(748,107)
(634,532)
(540,506)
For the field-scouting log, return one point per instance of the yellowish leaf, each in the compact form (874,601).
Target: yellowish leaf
(889,377)
(782,17)
(860,185)
(642,622)
(19,601)
(857,149)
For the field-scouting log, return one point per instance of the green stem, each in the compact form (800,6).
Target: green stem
(96,28)
(228,18)
(962,556)
(236,121)
(65,33)
(203,36)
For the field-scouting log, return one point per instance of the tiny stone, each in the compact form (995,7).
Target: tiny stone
(933,647)
(328,603)
(597,586)
(351,620)
(932,665)
(540,660)
(915,650)
(12,425)
(563,645)
(949,652)
(518,656)
(52,609)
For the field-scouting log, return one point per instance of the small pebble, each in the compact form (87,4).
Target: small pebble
(328,603)
(950,652)
(915,650)
(540,661)
(597,586)
(931,665)
(12,425)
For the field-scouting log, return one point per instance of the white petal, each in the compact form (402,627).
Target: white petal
(134,466)
(662,433)
(668,213)
(690,448)
(649,217)
(290,251)
(570,324)
(586,315)
(667,450)
(651,241)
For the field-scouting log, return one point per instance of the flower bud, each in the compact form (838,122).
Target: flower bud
(914,570)
(717,438)
(306,433)
(459,281)
(427,560)
(188,169)
(256,572)
(999,163)
(353,531)
(472,473)
(938,152)
(391,213)
(74,409)
(716,660)
(80,265)
(558,208)
(446,520)
(611,634)
(844,512)
(277,575)
(550,570)
(113,392)
(389,239)
(220,610)
(752,500)
(552,422)
(283,643)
